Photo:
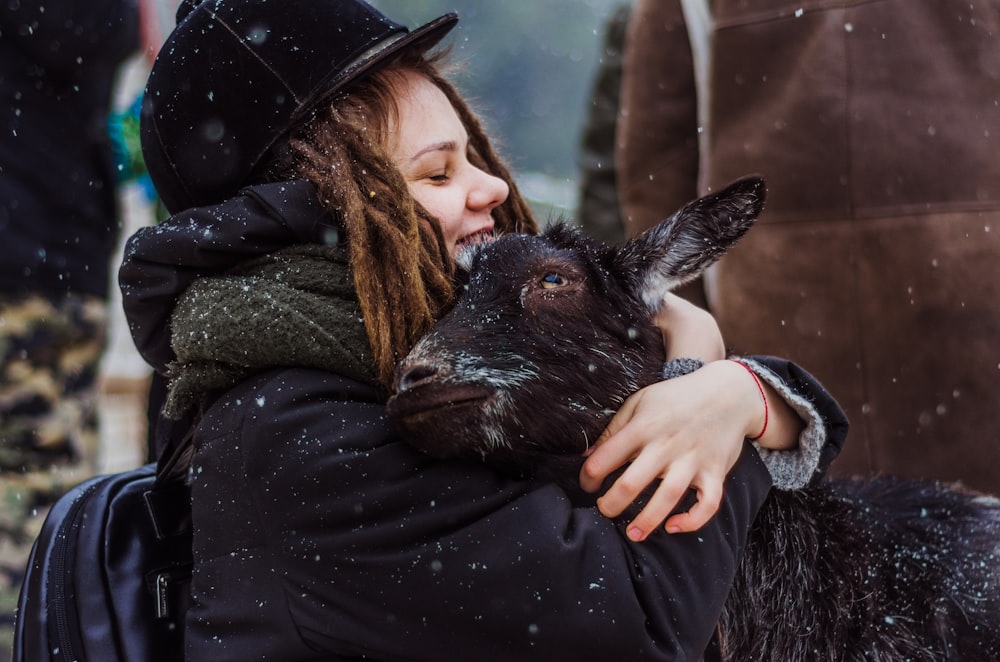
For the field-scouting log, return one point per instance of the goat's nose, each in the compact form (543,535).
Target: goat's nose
(415,375)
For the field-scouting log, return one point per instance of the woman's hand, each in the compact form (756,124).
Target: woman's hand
(688,432)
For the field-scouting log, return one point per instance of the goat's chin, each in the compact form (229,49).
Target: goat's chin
(437,403)
(441,420)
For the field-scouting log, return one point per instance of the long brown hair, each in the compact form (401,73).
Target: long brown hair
(402,271)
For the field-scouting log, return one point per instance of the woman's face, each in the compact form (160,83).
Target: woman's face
(430,146)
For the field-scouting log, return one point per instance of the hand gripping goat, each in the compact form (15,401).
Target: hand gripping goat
(550,336)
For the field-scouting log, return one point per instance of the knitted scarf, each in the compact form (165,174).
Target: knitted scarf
(293,308)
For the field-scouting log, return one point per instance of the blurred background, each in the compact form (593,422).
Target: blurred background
(530,68)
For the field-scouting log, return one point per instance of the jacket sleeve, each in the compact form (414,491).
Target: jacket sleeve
(162,261)
(69,36)
(388,554)
(826,424)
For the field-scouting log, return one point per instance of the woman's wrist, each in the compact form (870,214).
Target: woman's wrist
(763,400)
(771,422)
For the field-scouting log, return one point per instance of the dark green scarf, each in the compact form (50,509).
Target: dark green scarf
(293,308)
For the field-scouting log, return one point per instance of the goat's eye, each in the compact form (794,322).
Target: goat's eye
(551,280)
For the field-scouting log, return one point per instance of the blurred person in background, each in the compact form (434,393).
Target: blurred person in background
(598,208)
(58,227)
(877,259)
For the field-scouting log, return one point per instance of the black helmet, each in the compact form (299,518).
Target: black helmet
(235,75)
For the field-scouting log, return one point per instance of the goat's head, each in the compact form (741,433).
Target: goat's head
(553,332)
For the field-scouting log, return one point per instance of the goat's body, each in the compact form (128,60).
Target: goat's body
(553,333)
(878,570)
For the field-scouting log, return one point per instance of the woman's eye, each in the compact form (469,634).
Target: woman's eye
(551,280)
(442,177)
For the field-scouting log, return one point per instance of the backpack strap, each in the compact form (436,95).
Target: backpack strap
(172,466)
(169,500)
(168,504)
(169,508)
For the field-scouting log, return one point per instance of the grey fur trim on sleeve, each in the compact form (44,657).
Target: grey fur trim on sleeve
(680,367)
(792,469)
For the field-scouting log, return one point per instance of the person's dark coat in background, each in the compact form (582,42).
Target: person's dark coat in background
(598,211)
(877,259)
(58,217)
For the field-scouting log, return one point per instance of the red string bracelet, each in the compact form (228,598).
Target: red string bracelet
(760,387)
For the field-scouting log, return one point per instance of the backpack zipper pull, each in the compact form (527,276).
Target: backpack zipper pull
(162,602)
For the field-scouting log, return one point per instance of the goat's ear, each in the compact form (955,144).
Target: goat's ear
(680,248)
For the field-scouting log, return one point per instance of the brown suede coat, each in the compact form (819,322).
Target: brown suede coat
(876,264)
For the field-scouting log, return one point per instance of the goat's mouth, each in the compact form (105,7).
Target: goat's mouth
(422,404)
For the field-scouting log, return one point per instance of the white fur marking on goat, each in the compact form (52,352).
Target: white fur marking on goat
(654,287)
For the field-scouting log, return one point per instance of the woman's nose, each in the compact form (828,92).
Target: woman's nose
(488,192)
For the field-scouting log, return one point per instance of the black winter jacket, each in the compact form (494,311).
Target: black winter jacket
(321,535)
(58,210)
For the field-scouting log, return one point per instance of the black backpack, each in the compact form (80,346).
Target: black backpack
(109,576)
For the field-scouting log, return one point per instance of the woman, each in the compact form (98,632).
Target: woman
(321,174)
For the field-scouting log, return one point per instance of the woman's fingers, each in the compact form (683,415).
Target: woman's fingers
(612,450)
(673,486)
(631,484)
(665,497)
(704,509)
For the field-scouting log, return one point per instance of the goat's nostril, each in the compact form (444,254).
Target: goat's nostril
(416,375)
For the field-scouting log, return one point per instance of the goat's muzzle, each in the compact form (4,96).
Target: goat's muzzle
(424,391)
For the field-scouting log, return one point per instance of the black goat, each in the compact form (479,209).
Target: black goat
(551,335)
